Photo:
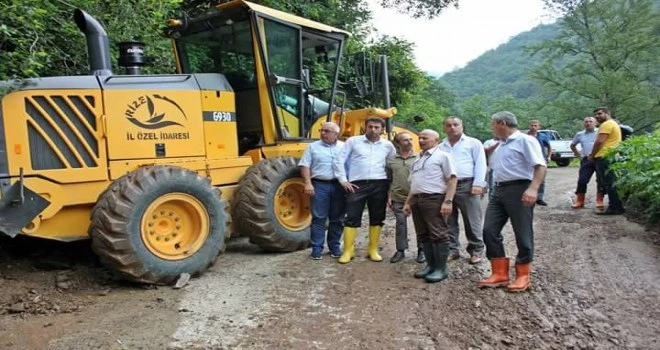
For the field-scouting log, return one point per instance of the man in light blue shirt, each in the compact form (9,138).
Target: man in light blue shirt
(328,197)
(586,139)
(366,183)
(519,168)
(470,159)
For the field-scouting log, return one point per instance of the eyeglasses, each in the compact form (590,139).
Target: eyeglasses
(323,131)
(422,159)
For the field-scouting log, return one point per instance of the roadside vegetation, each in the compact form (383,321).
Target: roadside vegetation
(638,168)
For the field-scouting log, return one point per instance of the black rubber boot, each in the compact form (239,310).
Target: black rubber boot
(421,258)
(428,249)
(440,252)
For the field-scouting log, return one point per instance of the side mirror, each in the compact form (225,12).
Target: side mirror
(306,78)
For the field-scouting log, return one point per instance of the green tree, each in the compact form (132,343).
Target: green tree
(39,38)
(431,113)
(405,78)
(610,55)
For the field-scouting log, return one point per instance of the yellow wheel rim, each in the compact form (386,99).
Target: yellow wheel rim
(292,207)
(175,226)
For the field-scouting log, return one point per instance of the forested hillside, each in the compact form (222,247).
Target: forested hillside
(502,71)
(603,53)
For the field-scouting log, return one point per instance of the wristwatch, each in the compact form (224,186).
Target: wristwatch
(448,201)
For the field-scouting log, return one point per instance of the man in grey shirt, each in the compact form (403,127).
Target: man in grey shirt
(586,139)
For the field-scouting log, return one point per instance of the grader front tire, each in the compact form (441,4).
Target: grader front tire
(270,207)
(158,222)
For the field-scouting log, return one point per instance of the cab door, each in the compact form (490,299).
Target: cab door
(281,58)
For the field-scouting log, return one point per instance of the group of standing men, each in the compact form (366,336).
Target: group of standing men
(448,177)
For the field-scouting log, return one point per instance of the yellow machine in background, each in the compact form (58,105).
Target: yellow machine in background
(147,165)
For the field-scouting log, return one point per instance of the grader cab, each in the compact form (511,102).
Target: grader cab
(159,170)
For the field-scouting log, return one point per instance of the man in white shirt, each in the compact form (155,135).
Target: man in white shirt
(327,195)
(432,189)
(470,159)
(519,168)
(366,184)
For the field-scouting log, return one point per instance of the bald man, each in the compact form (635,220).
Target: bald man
(432,189)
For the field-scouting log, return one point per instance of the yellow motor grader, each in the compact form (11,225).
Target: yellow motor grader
(159,170)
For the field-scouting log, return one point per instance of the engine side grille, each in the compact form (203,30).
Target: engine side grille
(61,132)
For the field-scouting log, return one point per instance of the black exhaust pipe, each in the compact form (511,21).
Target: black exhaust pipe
(98,48)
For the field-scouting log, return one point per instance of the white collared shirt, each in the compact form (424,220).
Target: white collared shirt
(430,172)
(516,157)
(363,159)
(319,157)
(470,159)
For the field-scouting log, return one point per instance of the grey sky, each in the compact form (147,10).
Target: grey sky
(460,35)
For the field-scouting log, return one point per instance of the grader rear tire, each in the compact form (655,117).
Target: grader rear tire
(157,222)
(270,207)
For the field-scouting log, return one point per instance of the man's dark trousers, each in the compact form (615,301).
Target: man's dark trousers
(373,193)
(587,169)
(507,204)
(607,178)
(328,203)
(430,225)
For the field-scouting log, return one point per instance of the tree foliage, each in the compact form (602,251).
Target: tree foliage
(607,53)
(39,38)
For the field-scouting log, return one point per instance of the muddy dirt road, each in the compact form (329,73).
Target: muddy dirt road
(596,285)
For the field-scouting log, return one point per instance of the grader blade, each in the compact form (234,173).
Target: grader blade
(18,206)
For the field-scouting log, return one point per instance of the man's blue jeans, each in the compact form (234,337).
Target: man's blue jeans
(328,203)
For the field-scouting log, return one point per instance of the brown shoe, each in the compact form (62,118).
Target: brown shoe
(453,257)
(500,275)
(579,201)
(475,259)
(599,201)
(522,282)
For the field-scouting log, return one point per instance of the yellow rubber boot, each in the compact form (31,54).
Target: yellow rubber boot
(372,249)
(349,245)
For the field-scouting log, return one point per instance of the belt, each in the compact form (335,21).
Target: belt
(368,181)
(465,179)
(326,181)
(512,182)
(427,195)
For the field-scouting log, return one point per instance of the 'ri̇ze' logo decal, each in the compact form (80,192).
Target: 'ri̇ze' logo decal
(155,112)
